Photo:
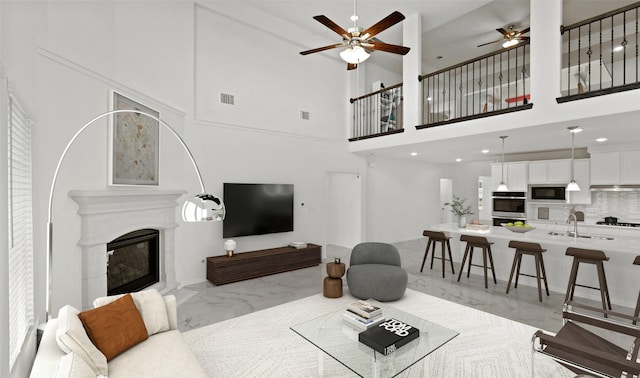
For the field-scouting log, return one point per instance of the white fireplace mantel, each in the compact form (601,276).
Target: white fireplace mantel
(108,214)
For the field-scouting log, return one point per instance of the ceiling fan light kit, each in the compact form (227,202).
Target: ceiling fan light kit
(360,43)
(510,37)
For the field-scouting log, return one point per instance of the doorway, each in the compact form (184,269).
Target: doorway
(344,226)
(446,196)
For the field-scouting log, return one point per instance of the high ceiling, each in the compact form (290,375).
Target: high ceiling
(452,29)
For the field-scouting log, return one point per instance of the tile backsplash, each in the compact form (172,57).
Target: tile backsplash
(623,205)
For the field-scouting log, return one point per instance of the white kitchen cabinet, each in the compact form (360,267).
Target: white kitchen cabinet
(550,171)
(629,170)
(615,168)
(581,175)
(515,176)
(605,168)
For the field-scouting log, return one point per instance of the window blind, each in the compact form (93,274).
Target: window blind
(21,313)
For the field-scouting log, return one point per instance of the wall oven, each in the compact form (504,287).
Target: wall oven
(509,205)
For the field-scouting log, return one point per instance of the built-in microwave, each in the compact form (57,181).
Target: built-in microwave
(547,193)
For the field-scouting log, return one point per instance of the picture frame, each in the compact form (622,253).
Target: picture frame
(134,144)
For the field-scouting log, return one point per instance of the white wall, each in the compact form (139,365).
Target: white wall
(465,182)
(174,57)
(402,198)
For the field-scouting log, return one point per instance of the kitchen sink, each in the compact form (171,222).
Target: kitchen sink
(570,235)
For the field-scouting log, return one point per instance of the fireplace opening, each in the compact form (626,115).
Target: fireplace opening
(132,261)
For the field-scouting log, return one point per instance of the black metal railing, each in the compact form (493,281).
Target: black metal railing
(377,113)
(600,55)
(492,84)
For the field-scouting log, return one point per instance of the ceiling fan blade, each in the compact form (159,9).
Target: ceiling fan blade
(396,49)
(351,66)
(523,38)
(502,31)
(330,24)
(383,24)
(524,31)
(307,52)
(488,43)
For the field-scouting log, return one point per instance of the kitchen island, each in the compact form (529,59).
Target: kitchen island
(623,278)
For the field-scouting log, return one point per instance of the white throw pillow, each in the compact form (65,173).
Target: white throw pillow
(151,306)
(71,337)
(72,365)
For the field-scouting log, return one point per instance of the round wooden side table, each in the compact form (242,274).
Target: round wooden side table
(332,285)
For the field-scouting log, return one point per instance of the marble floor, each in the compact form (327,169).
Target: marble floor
(204,303)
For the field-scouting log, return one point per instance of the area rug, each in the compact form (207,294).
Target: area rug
(261,344)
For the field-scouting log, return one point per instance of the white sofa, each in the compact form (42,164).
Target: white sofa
(64,350)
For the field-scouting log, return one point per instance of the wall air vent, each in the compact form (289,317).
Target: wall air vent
(304,115)
(226,98)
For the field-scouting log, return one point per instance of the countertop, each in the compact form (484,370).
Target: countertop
(624,240)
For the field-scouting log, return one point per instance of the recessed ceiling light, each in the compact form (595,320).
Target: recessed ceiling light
(601,140)
(618,48)
(414,154)
(458,160)
(485,151)
(575,129)
(439,57)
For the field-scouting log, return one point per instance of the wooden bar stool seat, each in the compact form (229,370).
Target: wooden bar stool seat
(477,242)
(637,312)
(588,256)
(437,237)
(532,249)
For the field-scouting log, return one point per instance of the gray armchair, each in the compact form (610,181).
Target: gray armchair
(375,272)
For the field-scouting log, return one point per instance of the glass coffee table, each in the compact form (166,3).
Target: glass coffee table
(340,341)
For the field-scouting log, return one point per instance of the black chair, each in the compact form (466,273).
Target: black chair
(477,242)
(579,346)
(588,256)
(437,237)
(532,249)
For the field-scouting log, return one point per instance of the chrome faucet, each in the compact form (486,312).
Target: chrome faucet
(572,216)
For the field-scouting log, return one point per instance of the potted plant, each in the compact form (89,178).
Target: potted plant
(460,209)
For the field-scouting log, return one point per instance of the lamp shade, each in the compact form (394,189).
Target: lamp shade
(573,186)
(509,43)
(203,208)
(354,55)
(502,187)
(230,245)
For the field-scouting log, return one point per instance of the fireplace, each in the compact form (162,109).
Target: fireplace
(108,215)
(132,261)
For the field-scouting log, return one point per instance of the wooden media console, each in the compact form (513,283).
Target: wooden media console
(264,262)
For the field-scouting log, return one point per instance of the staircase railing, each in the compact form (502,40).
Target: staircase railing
(600,55)
(492,84)
(377,113)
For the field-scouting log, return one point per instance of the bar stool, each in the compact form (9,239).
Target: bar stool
(637,312)
(532,249)
(437,237)
(588,256)
(479,242)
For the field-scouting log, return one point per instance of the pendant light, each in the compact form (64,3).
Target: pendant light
(502,187)
(573,185)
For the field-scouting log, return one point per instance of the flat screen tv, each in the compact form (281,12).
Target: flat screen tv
(257,209)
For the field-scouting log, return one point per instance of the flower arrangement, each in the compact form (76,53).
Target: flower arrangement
(458,206)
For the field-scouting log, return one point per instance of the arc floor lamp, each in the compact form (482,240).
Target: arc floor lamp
(202,207)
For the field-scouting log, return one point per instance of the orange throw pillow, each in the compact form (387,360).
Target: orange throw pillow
(115,327)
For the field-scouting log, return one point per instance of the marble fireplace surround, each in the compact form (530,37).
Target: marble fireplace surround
(108,214)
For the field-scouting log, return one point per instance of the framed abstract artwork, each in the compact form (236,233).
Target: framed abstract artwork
(134,144)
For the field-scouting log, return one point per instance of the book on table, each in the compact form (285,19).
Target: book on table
(388,336)
(365,309)
(359,322)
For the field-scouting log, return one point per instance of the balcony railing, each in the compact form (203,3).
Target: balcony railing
(378,113)
(492,84)
(600,55)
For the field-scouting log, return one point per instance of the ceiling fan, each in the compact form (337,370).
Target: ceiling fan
(510,37)
(359,43)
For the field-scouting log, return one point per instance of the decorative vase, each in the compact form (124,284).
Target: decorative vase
(462,221)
